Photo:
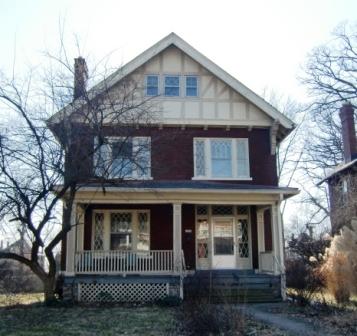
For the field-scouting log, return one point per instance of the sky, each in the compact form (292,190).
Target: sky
(263,44)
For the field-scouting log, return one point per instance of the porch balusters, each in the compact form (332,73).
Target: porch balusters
(125,262)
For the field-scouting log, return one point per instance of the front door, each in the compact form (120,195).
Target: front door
(224,250)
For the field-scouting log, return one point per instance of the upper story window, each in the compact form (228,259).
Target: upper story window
(221,158)
(191,86)
(172,86)
(152,85)
(120,157)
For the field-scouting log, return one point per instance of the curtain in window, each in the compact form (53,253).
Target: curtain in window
(221,158)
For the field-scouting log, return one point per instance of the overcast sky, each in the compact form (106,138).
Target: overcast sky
(261,43)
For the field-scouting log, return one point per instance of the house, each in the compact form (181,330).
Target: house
(14,276)
(203,202)
(342,182)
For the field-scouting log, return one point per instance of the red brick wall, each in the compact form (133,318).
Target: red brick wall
(172,151)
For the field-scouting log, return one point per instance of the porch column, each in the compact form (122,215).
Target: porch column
(71,243)
(260,229)
(281,252)
(277,241)
(177,236)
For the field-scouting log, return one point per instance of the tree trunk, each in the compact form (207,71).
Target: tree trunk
(49,286)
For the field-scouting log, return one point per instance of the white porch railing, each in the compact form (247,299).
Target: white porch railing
(125,262)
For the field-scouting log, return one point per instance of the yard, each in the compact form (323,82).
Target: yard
(26,315)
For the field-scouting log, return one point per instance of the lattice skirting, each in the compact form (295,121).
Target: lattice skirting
(122,292)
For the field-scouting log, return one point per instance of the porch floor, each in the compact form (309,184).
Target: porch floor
(238,286)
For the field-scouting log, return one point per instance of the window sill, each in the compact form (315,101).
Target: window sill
(222,178)
(127,178)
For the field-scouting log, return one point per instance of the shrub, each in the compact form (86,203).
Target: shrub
(305,279)
(340,267)
(202,318)
(336,271)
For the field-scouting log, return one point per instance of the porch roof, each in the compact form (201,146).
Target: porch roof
(166,186)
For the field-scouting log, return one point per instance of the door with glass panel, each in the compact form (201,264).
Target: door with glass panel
(224,251)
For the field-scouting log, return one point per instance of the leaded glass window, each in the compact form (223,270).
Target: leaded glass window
(121,231)
(242,210)
(200,158)
(222,210)
(202,210)
(172,86)
(243,238)
(221,158)
(98,242)
(143,237)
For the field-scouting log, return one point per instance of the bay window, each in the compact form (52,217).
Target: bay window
(221,158)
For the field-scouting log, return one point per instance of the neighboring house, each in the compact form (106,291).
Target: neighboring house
(16,277)
(206,203)
(342,181)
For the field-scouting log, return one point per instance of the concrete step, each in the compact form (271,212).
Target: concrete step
(233,286)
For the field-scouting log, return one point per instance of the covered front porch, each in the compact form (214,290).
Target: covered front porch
(146,235)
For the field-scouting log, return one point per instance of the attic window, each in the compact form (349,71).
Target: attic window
(191,86)
(172,86)
(152,85)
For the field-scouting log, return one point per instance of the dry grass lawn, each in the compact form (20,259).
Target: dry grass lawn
(25,315)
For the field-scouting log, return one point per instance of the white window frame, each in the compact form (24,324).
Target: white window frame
(107,226)
(179,85)
(198,85)
(135,144)
(208,161)
(158,85)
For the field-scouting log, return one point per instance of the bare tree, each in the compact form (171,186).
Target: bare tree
(330,76)
(46,158)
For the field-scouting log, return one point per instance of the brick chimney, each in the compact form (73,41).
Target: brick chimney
(80,77)
(348,132)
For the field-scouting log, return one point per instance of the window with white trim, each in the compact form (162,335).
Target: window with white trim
(191,86)
(121,230)
(152,85)
(120,157)
(172,86)
(221,158)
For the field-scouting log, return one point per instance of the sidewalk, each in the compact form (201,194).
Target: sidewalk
(282,321)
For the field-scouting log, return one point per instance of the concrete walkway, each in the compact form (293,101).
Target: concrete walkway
(282,321)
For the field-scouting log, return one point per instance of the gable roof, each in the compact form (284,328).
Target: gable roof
(175,40)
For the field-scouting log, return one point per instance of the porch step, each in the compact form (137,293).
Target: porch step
(233,286)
